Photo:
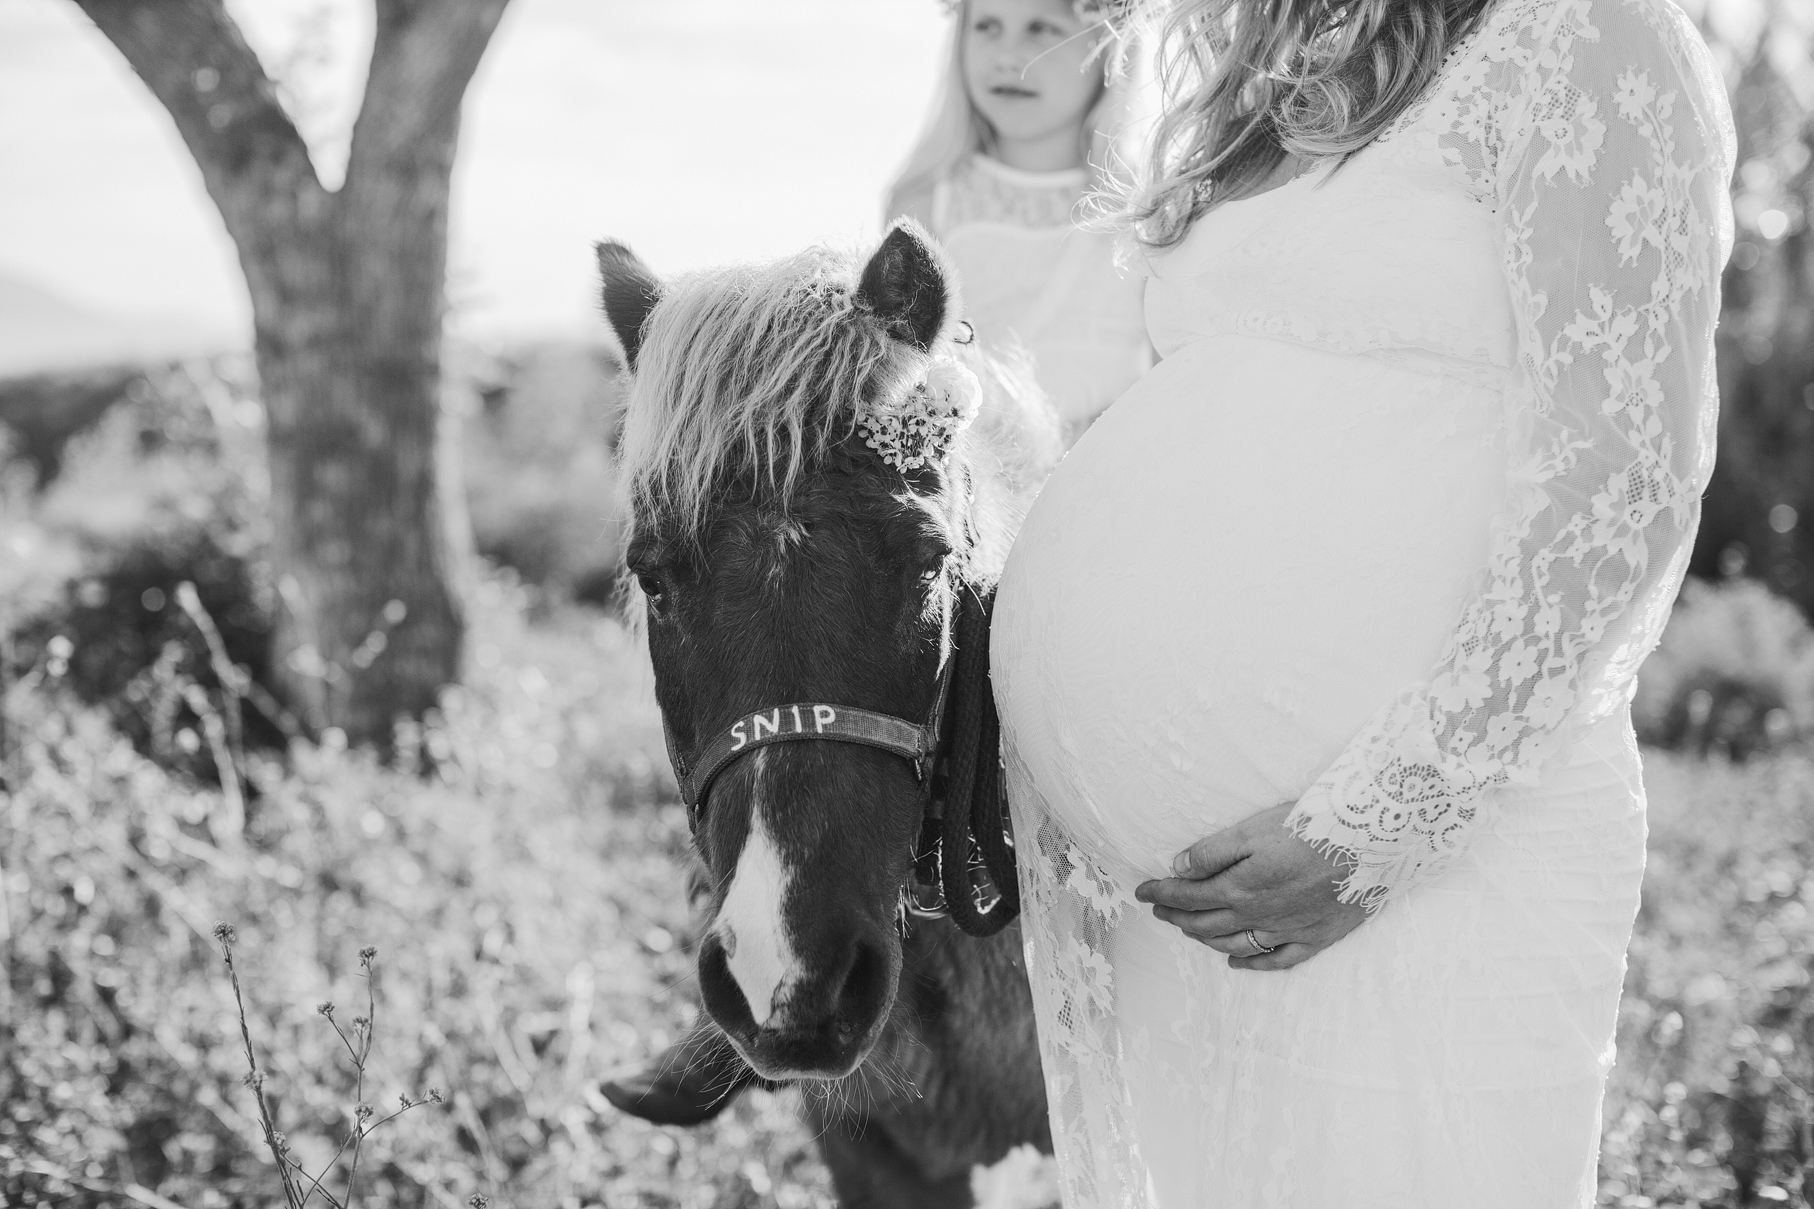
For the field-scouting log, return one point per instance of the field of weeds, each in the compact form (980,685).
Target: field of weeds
(524,897)
(523,893)
(519,874)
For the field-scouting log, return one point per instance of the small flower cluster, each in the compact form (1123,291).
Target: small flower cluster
(922,428)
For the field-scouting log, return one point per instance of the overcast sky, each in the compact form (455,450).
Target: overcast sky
(698,131)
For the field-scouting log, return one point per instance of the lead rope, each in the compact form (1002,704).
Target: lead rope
(974,819)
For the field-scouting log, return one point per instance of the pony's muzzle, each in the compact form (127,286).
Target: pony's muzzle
(821,1026)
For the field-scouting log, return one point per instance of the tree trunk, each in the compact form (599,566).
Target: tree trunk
(369,625)
(347,302)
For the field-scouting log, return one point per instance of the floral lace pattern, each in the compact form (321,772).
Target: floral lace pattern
(1599,136)
(982,191)
(1065,897)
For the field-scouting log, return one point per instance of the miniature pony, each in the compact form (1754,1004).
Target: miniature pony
(808,498)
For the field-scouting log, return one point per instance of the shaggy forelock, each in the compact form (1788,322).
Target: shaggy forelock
(750,373)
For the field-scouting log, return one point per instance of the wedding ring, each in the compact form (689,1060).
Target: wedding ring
(1253,940)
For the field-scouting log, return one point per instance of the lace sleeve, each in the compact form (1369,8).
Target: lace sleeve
(1598,131)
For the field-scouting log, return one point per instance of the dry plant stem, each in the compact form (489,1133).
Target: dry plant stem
(356,1136)
(232,681)
(350,1051)
(315,1181)
(232,824)
(288,1168)
(365,1050)
(290,1194)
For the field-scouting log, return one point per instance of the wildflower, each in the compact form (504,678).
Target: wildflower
(367,954)
(224,934)
(254,1079)
(363,1112)
(479,1200)
(279,1143)
(361,1023)
(404,1100)
(434,1095)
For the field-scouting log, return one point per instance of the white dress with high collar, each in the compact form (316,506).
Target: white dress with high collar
(1386,533)
(1034,281)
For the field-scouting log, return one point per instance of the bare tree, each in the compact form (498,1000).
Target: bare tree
(348,290)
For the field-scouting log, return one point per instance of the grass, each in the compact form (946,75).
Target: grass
(527,901)
(1709,1102)
(526,897)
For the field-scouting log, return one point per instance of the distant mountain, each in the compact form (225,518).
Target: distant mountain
(42,331)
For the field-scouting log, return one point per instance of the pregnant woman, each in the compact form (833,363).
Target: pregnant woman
(1314,655)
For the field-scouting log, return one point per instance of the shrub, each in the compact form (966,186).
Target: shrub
(526,894)
(176,460)
(1734,673)
(165,490)
(540,480)
(1709,1102)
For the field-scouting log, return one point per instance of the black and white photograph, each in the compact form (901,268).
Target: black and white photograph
(907,604)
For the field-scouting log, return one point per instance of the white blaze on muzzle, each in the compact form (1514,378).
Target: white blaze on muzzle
(750,925)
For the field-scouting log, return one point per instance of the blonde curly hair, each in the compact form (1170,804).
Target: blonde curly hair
(1247,82)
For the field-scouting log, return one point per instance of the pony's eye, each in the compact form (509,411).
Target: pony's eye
(652,588)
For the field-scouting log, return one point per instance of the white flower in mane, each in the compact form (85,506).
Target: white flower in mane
(922,427)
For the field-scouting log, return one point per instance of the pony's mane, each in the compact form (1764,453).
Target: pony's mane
(751,372)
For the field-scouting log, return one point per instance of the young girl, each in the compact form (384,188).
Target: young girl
(1033,114)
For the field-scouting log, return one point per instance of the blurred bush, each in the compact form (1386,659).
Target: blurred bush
(96,463)
(539,439)
(1733,674)
(165,488)
(172,460)
(117,488)
(1759,515)
(525,895)
(43,412)
(1711,1101)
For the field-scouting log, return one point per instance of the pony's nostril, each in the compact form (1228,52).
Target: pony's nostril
(718,987)
(860,998)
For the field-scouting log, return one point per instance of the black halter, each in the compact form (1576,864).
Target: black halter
(954,758)
(809,720)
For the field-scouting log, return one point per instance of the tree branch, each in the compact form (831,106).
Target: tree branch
(424,53)
(394,203)
(193,58)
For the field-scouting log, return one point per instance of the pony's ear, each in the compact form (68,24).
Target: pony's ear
(630,291)
(909,286)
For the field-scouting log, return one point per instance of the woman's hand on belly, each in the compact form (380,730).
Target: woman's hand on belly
(1255,877)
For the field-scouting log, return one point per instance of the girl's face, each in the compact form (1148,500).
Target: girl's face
(1028,67)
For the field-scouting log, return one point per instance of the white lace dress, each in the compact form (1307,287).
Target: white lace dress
(1387,532)
(1033,280)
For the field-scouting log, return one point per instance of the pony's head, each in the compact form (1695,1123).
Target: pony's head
(797,534)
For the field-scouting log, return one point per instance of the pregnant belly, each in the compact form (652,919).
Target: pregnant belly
(1251,553)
